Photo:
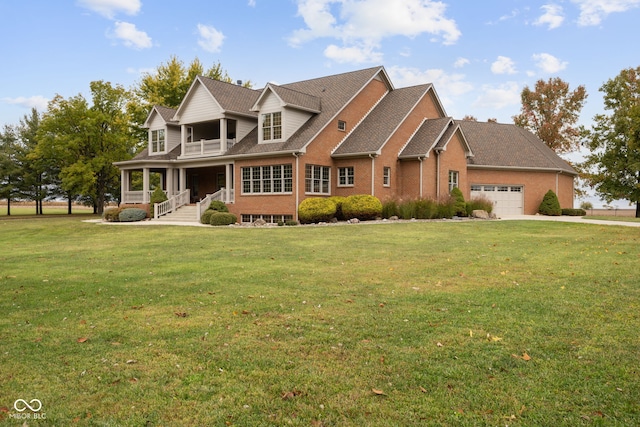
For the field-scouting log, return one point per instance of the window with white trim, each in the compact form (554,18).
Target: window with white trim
(453,180)
(317,179)
(346,176)
(157,142)
(342,125)
(386,176)
(272,126)
(267,179)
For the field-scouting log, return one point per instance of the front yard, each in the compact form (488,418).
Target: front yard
(430,323)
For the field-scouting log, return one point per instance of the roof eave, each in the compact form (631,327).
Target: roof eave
(522,168)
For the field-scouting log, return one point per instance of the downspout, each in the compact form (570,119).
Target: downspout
(437,175)
(295,216)
(373,174)
(420,159)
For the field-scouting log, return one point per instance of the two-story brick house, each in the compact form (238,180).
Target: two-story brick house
(264,151)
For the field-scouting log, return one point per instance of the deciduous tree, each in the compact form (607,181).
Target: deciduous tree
(85,141)
(613,166)
(551,112)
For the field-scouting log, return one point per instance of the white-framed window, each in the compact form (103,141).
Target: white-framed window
(476,187)
(267,179)
(342,125)
(386,176)
(157,143)
(189,130)
(346,176)
(317,179)
(272,126)
(453,180)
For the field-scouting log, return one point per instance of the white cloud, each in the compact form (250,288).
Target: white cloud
(252,3)
(592,12)
(461,62)
(131,36)
(357,23)
(498,97)
(552,16)
(109,8)
(352,54)
(549,63)
(210,38)
(503,65)
(38,102)
(446,84)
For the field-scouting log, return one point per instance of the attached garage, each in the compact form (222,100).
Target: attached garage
(507,199)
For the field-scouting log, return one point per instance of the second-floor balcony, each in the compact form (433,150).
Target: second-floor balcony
(206,147)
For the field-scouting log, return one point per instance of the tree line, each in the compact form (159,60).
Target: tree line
(68,151)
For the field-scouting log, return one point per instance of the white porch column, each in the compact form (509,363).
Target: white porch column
(223,136)
(183,179)
(169,182)
(124,185)
(228,181)
(145,185)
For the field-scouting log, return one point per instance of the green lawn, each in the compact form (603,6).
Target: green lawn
(519,323)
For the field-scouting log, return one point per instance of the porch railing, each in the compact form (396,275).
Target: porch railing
(171,204)
(206,146)
(218,195)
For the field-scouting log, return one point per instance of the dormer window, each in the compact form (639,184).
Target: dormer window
(271,126)
(157,143)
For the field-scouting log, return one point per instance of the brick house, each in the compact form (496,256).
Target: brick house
(264,151)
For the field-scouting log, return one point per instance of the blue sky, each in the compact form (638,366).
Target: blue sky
(479,54)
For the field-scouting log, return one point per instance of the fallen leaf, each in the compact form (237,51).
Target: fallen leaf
(181,314)
(382,360)
(378,392)
(131,361)
(422,389)
(83,322)
(83,339)
(439,344)
(290,394)
(526,357)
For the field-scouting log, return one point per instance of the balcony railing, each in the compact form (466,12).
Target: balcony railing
(206,147)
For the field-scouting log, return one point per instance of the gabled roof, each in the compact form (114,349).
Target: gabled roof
(432,134)
(230,97)
(375,130)
(290,98)
(509,146)
(335,92)
(144,156)
(165,112)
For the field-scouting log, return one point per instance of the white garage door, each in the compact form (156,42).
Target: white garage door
(507,199)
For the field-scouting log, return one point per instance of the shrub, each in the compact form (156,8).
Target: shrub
(425,209)
(338,200)
(459,205)
(222,218)
(574,212)
(205,218)
(157,196)
(132,214)
(550,205)
(111,214)
(291,222)
(218,205)
(362,206)
(479,203)
(316,209)
(390,208)
(446,208)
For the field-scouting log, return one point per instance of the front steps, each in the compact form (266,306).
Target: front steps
(186,213)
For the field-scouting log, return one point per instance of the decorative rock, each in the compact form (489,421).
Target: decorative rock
(259,222)
(479,213)
(353,221)
(393,218)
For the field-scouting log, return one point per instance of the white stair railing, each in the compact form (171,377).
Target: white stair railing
(223,195)
(171,204)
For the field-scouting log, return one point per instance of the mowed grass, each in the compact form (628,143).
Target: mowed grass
(425,323)
(613,218)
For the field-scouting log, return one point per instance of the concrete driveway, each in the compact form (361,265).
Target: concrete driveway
(564,218)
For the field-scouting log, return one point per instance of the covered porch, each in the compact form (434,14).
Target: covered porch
(138,183)
(210,138)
